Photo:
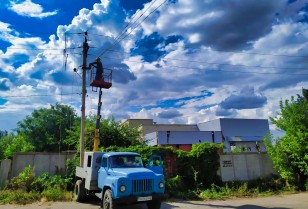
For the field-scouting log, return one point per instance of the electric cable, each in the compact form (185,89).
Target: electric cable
(213,63)
(132,29)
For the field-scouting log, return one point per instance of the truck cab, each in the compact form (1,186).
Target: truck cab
(120,178)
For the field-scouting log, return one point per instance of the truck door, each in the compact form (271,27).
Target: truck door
(155,164)
(102,173)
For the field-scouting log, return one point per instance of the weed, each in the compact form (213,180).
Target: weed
(18,197)
(56,194)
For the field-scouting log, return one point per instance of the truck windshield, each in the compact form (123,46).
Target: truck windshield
(125,161)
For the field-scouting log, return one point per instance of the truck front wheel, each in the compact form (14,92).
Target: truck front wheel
(107,201)
(154,204)
(79,191)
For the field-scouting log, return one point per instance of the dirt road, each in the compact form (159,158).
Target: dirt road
(294,201)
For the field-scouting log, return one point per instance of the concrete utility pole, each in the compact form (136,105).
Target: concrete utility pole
(83,98)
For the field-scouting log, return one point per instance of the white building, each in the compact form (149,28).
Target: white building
(237,134)
(245,134)
(182,139)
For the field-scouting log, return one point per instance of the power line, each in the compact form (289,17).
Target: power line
(235,52)
(39,95)
(214,63)
(40,49)
(124,30)
(133,28)
(7,55)
(112,50)
(50,33)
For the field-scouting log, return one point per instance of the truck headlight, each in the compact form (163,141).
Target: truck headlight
(122,188)
(161,185)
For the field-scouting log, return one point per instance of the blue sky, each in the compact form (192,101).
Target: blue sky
(175,61)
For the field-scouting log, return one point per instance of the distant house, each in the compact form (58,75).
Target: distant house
(182,140)
(149,126)
(244,135)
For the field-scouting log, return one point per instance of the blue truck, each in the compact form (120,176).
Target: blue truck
(120,178)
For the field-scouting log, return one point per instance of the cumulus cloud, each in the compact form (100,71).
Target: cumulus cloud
(219,24)
(29,9)
(246,99)
(164,64)
(225,112)
(168,114)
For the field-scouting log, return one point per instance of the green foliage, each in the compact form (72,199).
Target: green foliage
(71,165)
(56,194)
(3,134)
(290,152)
(216,192)
(27,188)
(200,165)
(174,184)
(45,181)
(18,197)
(112,133)
(17,144)
(5,141)
(258,187)
(23,181)
(46,128)
(176,188)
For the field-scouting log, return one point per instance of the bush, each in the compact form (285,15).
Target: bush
(198,168)
(174,185)
(23,181)
(26,188)
(45,181)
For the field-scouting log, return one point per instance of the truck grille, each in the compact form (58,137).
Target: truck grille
(142,185)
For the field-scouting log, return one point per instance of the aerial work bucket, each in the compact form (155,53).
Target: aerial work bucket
(102,78)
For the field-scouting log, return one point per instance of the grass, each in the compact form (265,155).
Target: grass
(22,197)
(18,197)
(47,188)
(242,190)
(272,185)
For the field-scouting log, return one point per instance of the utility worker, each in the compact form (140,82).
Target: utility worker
(99,69)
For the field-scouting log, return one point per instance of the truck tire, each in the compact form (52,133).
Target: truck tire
(79,191)
(107,201)
(154,204)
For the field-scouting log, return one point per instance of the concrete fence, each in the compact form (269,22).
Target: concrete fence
(5,168)
(245,166)
(241,167)
(53,163)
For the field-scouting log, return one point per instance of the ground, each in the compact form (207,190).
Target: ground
(292,201)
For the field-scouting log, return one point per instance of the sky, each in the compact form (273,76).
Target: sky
(174,61)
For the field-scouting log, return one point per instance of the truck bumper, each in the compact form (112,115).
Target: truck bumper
(134,199)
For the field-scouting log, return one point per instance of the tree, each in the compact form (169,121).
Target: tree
(13,143)
(46,129)
(112,133)
(3,134)
(290,152)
